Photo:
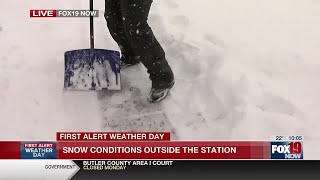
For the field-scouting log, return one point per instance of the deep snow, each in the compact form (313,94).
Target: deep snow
(245,70)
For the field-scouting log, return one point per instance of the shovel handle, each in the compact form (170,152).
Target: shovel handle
(91,27)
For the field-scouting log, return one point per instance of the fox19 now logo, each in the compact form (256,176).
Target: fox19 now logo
(286,150)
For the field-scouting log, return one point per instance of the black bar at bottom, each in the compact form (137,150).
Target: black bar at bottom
(198,170)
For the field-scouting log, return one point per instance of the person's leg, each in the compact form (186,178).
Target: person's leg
(143,42)
(113,17)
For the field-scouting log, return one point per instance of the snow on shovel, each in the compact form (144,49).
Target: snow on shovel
(92,69)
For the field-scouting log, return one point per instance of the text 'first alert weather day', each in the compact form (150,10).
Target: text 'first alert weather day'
(112,136)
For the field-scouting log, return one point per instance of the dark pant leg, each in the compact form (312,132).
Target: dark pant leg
(142,40)
(113,17)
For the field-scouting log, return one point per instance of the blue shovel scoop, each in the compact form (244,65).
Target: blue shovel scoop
(92,69)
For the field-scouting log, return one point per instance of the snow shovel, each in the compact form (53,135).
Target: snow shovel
(92,69)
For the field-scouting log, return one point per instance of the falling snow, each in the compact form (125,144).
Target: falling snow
(244,71)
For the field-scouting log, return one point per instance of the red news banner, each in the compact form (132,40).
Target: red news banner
(140,146)
(152,146)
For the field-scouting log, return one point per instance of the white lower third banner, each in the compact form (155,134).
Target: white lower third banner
(38,169)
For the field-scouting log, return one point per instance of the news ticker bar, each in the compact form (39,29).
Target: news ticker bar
(156,150)
(157,169)
(66,169)
(63,13)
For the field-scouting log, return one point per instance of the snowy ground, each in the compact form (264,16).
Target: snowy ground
(245,70)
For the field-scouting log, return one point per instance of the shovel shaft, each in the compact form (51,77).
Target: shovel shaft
(91,27)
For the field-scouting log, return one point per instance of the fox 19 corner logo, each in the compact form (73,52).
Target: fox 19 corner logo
(286,150)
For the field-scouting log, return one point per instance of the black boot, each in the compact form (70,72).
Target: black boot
(160,91)
(162,81)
